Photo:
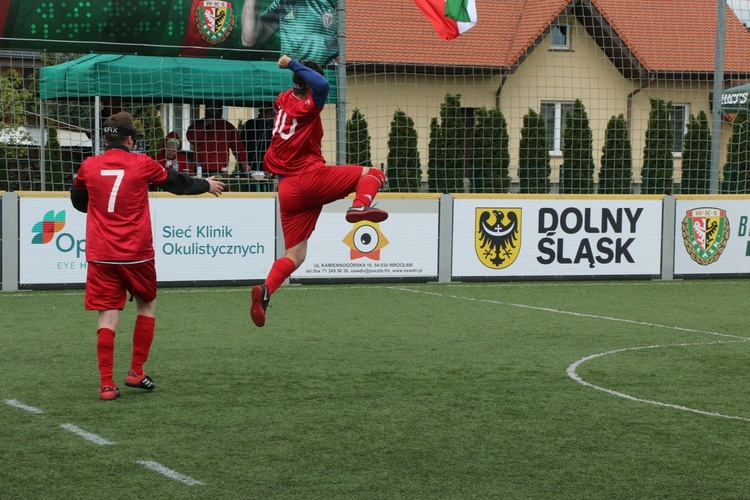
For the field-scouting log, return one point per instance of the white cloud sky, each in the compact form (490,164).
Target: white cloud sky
(741,8)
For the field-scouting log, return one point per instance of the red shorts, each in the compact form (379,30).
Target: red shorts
(301,198)
(107,284)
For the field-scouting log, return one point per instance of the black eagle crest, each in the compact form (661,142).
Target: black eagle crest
(498,237)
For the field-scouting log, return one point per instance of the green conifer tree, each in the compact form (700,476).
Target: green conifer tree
(658,164)
(491,152)
(447,167)
(577,169)
(533,156)
(403,167)
(616,172)
(736,179)
(696,156)
(357,140)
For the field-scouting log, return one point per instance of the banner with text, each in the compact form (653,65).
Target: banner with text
(711,237)
(500,238)
(195,239)
(403,246)
(237,29)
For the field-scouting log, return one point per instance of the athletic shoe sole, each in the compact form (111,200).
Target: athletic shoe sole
(354,215)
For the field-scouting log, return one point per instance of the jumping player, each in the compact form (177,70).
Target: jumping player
(305,182)
(113,189)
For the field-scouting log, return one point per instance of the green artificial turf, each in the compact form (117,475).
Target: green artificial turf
(389,391)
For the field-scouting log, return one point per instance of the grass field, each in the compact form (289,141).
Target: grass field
(530,390)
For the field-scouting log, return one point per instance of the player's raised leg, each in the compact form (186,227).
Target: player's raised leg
(367,187)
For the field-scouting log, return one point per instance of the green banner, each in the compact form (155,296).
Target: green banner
(242,29)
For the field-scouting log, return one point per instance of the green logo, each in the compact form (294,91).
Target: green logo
(705,232)
(215,20)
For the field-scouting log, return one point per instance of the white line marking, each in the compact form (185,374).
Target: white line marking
(157,467)
(86,435)
(571,371)
(572,374)
(18,404)
(571,313)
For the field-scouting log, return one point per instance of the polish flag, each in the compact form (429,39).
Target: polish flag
(449,17)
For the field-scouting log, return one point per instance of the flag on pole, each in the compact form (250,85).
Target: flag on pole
(449,17)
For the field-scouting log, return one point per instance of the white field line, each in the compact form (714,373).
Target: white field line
(86,435)
(171,474)
(572,374)
(571,370)
(570,313)
(18,404)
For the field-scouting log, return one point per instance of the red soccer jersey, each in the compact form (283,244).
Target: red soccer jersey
(296,137)
(212,140)
(118,221)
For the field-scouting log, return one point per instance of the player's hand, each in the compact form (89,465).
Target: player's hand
(284,61)
(215,187)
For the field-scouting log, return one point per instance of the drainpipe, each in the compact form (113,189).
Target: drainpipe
(630,102)
(500,89)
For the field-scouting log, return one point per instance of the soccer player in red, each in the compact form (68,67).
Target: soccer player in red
(305,182)
(113,189)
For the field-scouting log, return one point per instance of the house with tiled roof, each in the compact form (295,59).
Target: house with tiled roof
(613,55)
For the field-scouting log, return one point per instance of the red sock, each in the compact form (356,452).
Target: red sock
(143,335)
(367,188)
(105,352)
(280,271)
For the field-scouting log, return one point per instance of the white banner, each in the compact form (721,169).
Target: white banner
(711,237)
(516,237)
(403,246)
(195,239)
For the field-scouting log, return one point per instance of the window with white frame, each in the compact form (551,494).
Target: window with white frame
(554,119)
(679,115)
(560,37)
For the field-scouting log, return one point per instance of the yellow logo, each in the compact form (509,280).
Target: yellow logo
(365,240)
(497,238)
(215,20)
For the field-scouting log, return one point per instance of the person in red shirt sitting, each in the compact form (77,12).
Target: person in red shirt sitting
(171,157)
(212,137)
(112,188)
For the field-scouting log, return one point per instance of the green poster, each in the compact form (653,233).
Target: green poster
(242,29)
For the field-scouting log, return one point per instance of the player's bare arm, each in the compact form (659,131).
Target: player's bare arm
(254,30)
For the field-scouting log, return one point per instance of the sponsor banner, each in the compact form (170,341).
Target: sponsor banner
(517,237)
(711,237)
(403,246)
(199,239)
(195,28)
(195,239)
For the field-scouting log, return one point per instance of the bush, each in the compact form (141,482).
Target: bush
(533,156)
(577,170)
(447,148)
(658,164)
(403,167)
(491,152)
(357,141)
(616,171)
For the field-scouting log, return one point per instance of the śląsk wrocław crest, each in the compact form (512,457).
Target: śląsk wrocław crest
(498,237)
(705,232)
(215,20)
